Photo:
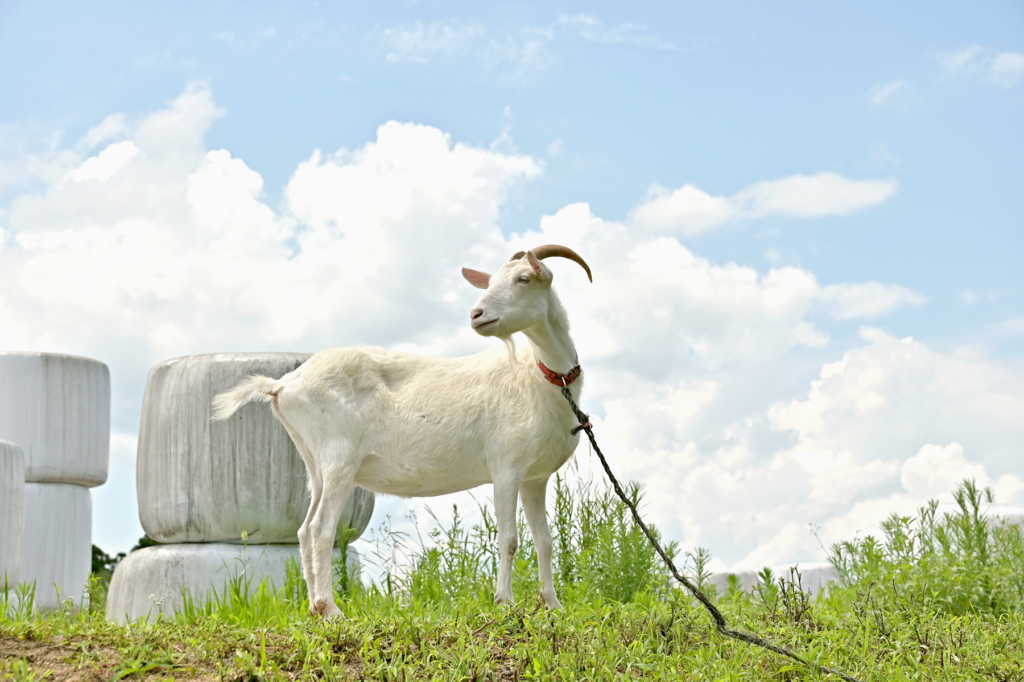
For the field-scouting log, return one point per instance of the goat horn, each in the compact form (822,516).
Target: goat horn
(549,250)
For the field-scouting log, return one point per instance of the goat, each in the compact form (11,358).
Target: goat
(415,426)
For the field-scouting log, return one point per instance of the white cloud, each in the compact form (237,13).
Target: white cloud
(687,360)
(813,196)
(588,27)
(1004,69)
(422,42)
(899,95)
(689,210)
(966,59)
(935,470)
(106,163)
(520,52)
(1007,69)
(868,299)
(887,93)
(181,254)
(881,157)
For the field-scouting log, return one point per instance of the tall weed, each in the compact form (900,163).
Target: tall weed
(598,551)
(960,562)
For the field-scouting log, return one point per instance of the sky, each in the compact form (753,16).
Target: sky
(805,223)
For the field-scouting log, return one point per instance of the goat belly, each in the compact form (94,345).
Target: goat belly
(413,476)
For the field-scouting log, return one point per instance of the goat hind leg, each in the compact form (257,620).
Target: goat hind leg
(324,526)
(315,483)
(306,537)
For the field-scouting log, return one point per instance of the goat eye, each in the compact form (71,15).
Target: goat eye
(524,280)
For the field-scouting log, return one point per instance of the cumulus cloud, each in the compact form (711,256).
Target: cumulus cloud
(1001,68)
(689,211)
(883,429)
(148,245)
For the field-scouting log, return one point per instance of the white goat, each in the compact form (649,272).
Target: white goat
(414,426)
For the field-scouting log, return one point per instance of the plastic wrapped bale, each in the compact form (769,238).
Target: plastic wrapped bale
(57,408)
(239,480)
(56,550)
(12,512)
(995,514)
(814,576)
(155,580)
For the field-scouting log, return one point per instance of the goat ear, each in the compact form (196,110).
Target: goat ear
(481,280)
(535,264)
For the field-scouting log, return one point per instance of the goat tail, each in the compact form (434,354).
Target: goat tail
(254,388)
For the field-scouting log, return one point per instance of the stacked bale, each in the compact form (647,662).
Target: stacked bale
(12,512)
(57,408)
(224,484)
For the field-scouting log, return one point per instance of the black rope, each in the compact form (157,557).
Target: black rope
(720,622)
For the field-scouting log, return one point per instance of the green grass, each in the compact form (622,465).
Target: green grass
(930,599)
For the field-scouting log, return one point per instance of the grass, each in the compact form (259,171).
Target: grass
(932,598)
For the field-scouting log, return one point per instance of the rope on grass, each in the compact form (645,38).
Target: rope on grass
(720,622)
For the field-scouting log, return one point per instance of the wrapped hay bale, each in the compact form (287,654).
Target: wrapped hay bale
(57,408)
(12,511)
(814,576)
(995,514)
(56,551)
(154,580)
(239,480)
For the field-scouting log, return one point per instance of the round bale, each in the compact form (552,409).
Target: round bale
(154,580)
(57,551)
(57,408)
(239,480)
(12,511)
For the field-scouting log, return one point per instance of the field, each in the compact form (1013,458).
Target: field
(929,598)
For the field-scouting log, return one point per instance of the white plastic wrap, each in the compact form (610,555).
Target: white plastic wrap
(12,511)
(211,482)
(56,550)
(814,576)
(995,514)
(151,581)
(57,408)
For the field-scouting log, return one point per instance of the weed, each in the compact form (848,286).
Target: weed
(431,615)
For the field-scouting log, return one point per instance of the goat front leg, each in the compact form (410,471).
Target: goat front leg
(506,503)
(533,494)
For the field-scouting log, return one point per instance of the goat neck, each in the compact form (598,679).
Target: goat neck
(550,339)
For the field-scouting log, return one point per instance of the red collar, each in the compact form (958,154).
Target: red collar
(560,380)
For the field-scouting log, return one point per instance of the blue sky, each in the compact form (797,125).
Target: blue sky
(870,155)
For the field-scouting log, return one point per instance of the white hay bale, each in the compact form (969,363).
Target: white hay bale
(152,581)
(814,576)
(56,550)
(12,511)
(995,514)
(57,408)
(211,482)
